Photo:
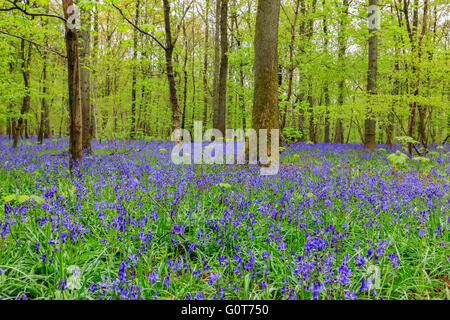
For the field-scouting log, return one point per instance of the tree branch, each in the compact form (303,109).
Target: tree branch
(180,23)
(34,43)
(17,7)
(139,29)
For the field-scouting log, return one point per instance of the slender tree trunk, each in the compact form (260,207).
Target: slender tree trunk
(326,84)
(312,130)
(93,120)
(291,64)
(85,42)
(390,125)
(342,47)
(412,31)
(26,135)
(217,57)
(183,120)
(44,107)
(26,100)
(205,68)
(194,93)
(134,75)
(370,123)
(169,66)
(10,119)
(422,138)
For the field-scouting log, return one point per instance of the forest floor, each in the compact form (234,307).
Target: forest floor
(335,223)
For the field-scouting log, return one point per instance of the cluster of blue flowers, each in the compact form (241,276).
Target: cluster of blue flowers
(314,231)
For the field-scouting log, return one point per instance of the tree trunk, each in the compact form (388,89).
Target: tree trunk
(265,100)
(342,47)
(217,57)
(93,119)
(219,111)
(412,31)
(134,75)
(291,64)
(422,138)
(205,68)
(26,100)
(326,84)
(169,67)
(44,106)
(85,87)
(312,130)
(183,119)
(370,123)
(73,73)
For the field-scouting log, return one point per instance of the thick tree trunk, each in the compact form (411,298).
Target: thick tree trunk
(220,110)
(73,73)
(370,123)
(265,100)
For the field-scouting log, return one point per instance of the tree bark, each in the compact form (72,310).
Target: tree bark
(291,64)
(85,86)
(370,123)
(219,111)
(342,47)
(93,119)
(312,130)
(217,51)
(183,120)
(205,68)
(422,138)
(73,73)
(44,106)
(26,100)
(169,67)
(134,75)
(326,84)
(265,99)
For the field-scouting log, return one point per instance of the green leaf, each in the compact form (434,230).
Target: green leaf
(10,198)
(38,200)
(421,159)
(23,198)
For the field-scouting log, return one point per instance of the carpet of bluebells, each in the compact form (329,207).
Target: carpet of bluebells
(335,223)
